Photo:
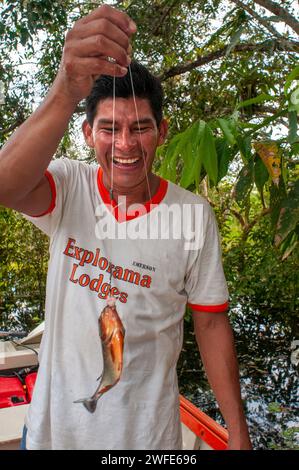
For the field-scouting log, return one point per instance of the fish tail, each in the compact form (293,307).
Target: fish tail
(89,403)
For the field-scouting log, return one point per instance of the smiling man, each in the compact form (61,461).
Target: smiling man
(136,136)
(152,279)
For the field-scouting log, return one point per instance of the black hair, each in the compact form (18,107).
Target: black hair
(146,86)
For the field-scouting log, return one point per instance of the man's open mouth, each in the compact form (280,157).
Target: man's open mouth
(127,163)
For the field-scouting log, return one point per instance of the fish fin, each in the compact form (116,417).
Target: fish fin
(89,403)
(107,340)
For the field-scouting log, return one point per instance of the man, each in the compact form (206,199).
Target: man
(151,279)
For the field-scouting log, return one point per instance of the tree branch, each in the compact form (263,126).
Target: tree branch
(249,226)
(261,20)
(293,46)
(161,20)
(11,128)
(280,12)
(239,217)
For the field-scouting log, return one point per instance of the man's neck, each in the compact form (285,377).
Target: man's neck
(138,194)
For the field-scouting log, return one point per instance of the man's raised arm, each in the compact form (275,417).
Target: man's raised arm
(105,32)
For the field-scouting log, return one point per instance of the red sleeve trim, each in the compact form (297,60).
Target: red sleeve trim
(210,308)
(53,191)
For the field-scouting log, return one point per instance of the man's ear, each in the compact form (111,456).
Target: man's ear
(163,130)
(87,131)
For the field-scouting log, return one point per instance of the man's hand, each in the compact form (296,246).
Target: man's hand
(105,32)
(239,442)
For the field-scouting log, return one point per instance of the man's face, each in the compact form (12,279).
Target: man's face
(134,146)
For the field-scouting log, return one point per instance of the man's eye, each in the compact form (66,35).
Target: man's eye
(141,129)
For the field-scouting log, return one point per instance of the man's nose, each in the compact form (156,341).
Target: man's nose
(125,140)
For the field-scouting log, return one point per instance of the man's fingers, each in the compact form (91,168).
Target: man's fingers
(94,66)
(104,27)
(98,46)
(108,68)
(119,18)
(104,33)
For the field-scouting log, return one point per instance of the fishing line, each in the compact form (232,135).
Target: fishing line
(113,139)
(113,147)
(112,158)
(141,146)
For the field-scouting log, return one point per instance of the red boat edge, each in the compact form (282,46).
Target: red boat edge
(204,427)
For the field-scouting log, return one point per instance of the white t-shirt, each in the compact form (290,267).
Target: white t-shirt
(153,279)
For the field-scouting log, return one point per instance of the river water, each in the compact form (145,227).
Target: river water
(268,377)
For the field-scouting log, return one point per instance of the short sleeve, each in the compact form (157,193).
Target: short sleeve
(205,283)
(58,174)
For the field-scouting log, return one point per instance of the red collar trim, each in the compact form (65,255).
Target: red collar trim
(144,207)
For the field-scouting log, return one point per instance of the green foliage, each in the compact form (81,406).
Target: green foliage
(290,78)
(228,130)
(293,125)
(258,99)
(224,155)
(244,184)
(288,438)
(207,153)
(288,220)
(261,175)
(23,267)
(210,156)
(257,277)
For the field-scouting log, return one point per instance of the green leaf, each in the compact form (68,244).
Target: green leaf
(226,128)
(295,148)
(244,144)
(274,407)
(277,196)
(244,183)
(184,145)
(235,39)
(288,215)
(168,168)
(208,154)
(290,78)
(294,101)
(188,173)
(191,156)
(261,174)
(289,244)
(293,124)
(224,155)
(258,99)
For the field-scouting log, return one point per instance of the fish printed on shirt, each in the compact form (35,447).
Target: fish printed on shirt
(112,334)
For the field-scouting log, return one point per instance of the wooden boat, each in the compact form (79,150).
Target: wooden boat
(200,432)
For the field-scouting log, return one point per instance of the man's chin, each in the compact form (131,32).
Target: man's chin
(125,183)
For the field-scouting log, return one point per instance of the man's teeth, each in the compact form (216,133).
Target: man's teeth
(125,160)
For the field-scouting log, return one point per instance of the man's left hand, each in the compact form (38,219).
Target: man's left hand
(239,443)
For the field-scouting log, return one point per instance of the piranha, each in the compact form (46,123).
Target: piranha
(112,334)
